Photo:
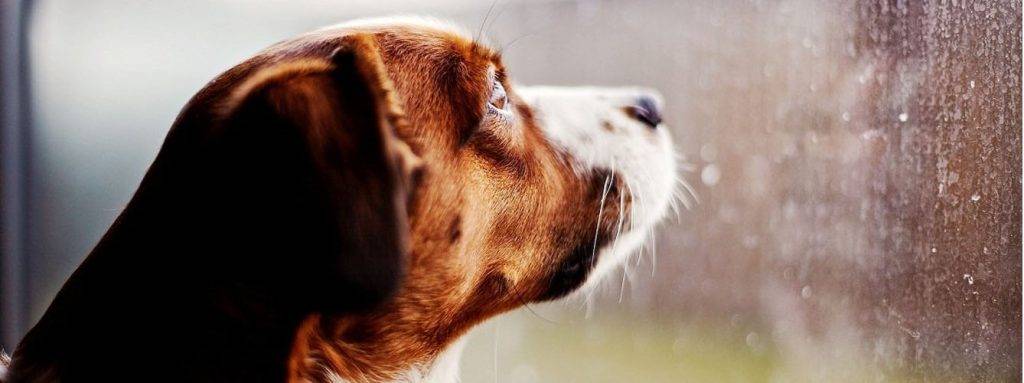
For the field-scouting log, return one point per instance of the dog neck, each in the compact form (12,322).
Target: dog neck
(413,338)
(367,350)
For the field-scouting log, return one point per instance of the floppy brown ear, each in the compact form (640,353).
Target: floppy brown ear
(279,191)
(312,175)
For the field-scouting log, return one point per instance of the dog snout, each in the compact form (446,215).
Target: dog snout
(647,109)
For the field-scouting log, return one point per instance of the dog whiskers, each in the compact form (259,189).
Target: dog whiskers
(483,23)
(608,180)
(689,189)
(618,233)
(600,212)
(693,198)
(654,251)
(530,309)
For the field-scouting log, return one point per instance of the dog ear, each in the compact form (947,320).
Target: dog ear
(314,175)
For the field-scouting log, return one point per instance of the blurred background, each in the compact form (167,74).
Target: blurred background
(858,165)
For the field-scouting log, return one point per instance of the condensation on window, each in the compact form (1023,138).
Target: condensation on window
(859,172)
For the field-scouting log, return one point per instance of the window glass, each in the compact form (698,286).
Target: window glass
(858,167)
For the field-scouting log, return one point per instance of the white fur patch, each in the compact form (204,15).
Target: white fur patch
(591,125)
(446,366)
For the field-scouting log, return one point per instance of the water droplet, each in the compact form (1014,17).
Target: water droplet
(871,134)
(912,333)
(969,279)
(903,117)
(934,250)
(846,116)
(805,292)
(752,339)
(710,175)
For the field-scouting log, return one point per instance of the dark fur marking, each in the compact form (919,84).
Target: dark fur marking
(455,230)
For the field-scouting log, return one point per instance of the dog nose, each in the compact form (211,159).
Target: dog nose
(647,111)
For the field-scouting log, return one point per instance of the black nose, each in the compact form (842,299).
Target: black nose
(647,111)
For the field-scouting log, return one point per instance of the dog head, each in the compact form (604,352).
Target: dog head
(514,195)
(524,194)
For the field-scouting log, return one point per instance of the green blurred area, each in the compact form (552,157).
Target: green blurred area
(613,350)
(527,347)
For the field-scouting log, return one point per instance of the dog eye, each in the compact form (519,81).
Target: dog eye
(498,99)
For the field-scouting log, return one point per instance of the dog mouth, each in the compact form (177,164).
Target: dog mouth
(611,223)
(606,243)
(573,270)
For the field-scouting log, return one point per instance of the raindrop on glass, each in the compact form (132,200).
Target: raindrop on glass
(710,175)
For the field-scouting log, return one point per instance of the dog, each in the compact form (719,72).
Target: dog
(345,205)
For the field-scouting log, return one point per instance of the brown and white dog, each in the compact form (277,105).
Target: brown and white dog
(345,205)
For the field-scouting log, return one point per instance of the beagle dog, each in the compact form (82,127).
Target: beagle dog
(347,204)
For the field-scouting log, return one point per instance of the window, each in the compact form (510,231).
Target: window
(858,166)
